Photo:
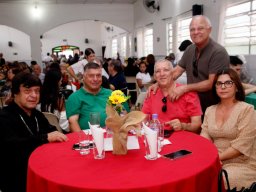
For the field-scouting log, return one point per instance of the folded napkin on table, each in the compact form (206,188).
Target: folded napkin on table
(151,136)
(98,137)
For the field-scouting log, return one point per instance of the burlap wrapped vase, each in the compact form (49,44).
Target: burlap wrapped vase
(121,125)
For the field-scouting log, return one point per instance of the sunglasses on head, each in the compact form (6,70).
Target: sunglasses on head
(164,108)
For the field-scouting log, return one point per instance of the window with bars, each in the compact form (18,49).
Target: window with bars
(169,38)
(178,32)
(114,48)
(183,29)
(148,41)
(240,28)
(130,45)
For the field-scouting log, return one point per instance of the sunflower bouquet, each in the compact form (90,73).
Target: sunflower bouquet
(116,99)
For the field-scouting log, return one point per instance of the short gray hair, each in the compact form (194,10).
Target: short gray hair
(204,17)
(163,61)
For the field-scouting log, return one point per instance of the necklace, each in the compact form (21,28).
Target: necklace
(29,130)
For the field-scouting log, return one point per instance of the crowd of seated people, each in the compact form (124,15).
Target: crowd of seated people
(11,70)
(181,114)
(114,67)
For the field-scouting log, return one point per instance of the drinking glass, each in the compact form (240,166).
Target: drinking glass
(98,146)
(151,145)
(84,142)
(98,154)
(94,118)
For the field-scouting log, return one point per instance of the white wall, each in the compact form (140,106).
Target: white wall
(20,50)
(19,16)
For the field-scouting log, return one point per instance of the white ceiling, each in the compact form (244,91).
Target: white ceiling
(71,1)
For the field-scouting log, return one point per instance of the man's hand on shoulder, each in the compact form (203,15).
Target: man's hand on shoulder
(177,92)
(153,88)
(56,136)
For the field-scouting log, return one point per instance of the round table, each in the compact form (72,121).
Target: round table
(55,167)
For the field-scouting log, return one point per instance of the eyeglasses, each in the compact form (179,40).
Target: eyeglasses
(195,69)
(164,108)
(227,84)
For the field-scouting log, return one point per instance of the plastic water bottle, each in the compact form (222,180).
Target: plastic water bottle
(156,125)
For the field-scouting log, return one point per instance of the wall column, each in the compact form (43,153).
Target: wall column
(36,48)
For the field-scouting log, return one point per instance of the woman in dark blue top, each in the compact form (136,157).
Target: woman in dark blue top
(116,76)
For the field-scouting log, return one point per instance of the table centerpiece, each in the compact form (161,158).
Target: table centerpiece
(121,123)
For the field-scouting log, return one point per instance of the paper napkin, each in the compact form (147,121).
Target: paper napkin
(151,136)
(98,137)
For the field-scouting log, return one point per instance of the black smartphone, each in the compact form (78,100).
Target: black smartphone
(76,146)
(177,154)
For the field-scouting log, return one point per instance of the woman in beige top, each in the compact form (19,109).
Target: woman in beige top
(231,126)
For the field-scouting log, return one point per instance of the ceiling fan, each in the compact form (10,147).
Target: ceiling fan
(151,5)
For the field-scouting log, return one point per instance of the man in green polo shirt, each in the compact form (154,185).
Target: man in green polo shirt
(90,98)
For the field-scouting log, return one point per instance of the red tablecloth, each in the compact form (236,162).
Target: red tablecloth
(55,167)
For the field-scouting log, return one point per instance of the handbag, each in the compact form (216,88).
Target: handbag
(220,181)
(224,173)
(252,188)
